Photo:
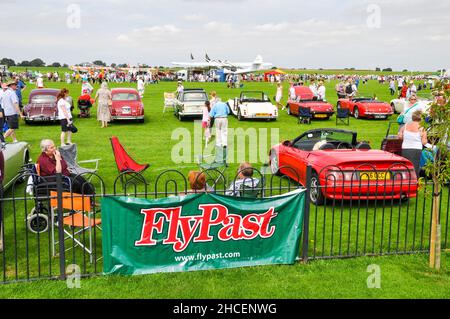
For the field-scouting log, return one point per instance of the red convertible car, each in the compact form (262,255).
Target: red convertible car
(305,98)
(342,168)
(126,105)
(41,106)
(366,107)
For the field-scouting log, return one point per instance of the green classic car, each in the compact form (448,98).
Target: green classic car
(15,156)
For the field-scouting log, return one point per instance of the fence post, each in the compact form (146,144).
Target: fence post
(305,244)
(62,250)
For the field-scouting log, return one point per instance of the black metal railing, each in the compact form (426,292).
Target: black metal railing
(346,214)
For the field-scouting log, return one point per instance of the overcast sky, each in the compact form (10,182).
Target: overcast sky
(402,34)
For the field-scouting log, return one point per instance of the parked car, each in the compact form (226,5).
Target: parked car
(399,105)
(342,168)
(366,107)
(126,105)
(189,103)
(15,156)
(306,99)
(253,105)
(41,106)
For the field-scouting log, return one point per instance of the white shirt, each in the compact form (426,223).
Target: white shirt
(140,85)
(62,103)
(313,88)
(292,93)
(40,82)
(321,92)
(8,99)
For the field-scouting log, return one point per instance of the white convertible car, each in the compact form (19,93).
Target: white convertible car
(399,105)
(253,105)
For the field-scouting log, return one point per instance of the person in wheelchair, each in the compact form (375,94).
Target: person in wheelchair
(245,178)
(51,162)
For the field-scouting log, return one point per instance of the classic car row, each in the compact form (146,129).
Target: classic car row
(42,105)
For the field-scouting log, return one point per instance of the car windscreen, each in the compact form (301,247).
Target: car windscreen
(194,96)
(325,136)
(43,98)
(254,97)
(124,97)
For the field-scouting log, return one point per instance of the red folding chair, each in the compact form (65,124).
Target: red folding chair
(125,164)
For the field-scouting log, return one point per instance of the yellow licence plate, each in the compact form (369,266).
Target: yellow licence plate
(373,176)
(262,114)
(321,116)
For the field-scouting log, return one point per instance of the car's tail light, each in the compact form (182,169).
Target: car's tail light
(347,176)
(404,175)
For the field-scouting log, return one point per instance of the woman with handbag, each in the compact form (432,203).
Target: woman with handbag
(414,138)
(104,102)
(65,116)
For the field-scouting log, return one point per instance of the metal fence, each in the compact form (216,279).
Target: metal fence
(47,228)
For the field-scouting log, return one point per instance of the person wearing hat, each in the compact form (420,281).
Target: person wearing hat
(11,110)
(20,88)
(180,88)
(321,92)
(2,116)
(412,90)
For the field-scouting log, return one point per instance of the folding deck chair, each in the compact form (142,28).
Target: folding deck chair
(125,164)
(304,115)
(79,220)
(343,116)
(169,101)
(69,153)
(219,164)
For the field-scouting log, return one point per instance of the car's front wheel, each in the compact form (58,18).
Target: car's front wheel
(239,115)
(315,192)
(274,163)
(356,112)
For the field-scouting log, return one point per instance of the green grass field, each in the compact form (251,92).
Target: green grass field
(151,142)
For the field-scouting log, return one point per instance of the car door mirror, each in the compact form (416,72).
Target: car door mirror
(287,143)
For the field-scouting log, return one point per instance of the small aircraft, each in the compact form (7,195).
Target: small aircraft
(227,66)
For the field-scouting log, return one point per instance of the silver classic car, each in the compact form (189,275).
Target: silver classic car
(189,103)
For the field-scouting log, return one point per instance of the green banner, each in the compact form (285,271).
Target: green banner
(199,231)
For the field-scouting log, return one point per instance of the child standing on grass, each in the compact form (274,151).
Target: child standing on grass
(206,120)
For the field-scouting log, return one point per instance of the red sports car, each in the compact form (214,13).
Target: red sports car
(305,98)
(41,106)
(366,107)
(126,105)
(342,168)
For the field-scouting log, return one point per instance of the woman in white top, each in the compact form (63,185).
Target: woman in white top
(206,119)
(414,138)
(279,95)
(321,92)
(65,115)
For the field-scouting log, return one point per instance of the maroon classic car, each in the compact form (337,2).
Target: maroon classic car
(305,99)
(41,106)
(126,105)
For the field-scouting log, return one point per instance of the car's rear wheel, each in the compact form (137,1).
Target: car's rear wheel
(274,163)
(239,116)
(315,193)
(356,112)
